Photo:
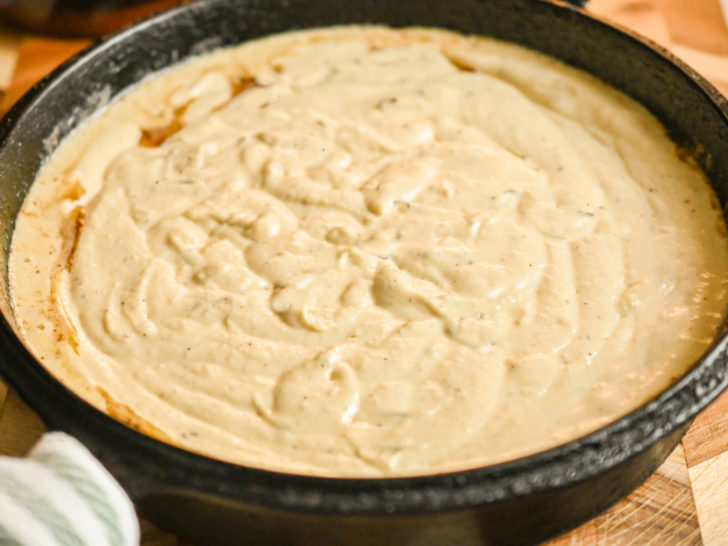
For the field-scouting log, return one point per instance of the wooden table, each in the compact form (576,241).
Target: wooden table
(686,501)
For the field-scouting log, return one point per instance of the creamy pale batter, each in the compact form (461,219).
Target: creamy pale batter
(366,252)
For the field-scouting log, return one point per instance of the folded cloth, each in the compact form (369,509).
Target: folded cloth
(61,495)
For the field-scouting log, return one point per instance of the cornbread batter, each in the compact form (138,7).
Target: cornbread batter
(368,252)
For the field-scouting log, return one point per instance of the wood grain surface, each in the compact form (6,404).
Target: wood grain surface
(686,501)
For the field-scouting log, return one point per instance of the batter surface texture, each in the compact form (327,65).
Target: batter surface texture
(368,252)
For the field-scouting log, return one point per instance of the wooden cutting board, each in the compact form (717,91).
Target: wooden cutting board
(686,501)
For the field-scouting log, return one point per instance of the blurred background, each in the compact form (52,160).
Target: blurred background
(78,17)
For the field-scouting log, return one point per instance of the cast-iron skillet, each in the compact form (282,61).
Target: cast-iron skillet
(518,502)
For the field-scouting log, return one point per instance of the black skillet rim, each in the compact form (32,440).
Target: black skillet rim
(151,466)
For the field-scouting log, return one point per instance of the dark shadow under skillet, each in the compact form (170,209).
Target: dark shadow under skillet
(518,502)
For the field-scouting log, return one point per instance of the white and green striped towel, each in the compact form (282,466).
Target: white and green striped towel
(60,495)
